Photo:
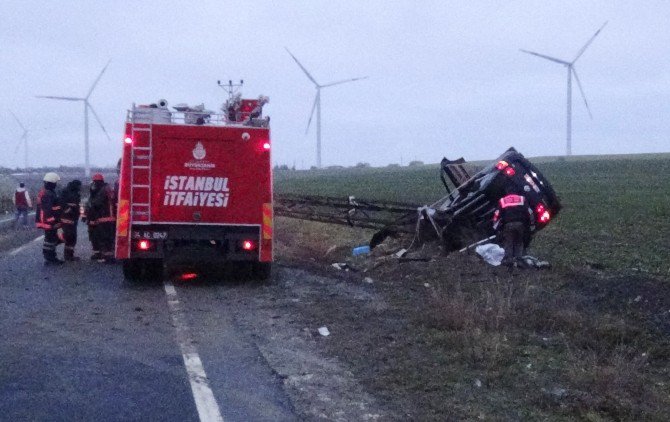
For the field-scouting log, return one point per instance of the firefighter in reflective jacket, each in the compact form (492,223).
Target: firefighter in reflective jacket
(512,220)
(70,199)
(102,215)
(48,217)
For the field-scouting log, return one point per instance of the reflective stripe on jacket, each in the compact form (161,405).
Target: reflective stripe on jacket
(511,208)
(102,206)
(47,209)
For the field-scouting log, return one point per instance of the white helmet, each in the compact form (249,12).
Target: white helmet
(51,177)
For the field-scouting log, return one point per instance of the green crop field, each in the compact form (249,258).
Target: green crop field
(616,209)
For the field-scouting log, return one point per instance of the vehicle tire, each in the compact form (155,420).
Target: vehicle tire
(143,269)
(131,270)
(262,270)
(152,269)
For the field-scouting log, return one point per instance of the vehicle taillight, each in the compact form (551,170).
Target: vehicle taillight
(128,140)
(543,215)
(248,245)
(188,276)
(502,165)
(144,245)
(266,146)
(509,171)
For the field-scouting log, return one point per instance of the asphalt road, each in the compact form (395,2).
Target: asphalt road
(77,342)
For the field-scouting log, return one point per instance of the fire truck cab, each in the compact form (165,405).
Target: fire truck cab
(195,187)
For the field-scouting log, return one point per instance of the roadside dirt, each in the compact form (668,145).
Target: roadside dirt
(454,338)
(12,238)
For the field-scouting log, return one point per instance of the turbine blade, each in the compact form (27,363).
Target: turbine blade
(553,59)
(18,121)
(583,49)
(311,114)
(90,107)
(344,81)
(90,91)
(51,97)
(303,68)
(581,90)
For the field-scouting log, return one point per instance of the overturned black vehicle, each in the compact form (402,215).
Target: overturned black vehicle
(465,215)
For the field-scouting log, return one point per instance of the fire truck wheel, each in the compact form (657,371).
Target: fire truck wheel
(143,269)
(131,270)
(262,270)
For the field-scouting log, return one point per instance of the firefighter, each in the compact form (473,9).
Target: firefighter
(89,218)
(70,199)
(103,216)
(512,220)
(48,218)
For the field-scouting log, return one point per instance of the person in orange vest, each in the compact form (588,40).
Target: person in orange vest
(70,199)
(103,217)
(512,220)
(22,203)
(48,218)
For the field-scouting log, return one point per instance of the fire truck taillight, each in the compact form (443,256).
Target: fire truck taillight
(248,245)
(128,140)
(543,215)
(144,245)
(266,146)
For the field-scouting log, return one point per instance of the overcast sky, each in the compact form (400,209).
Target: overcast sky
(445,77)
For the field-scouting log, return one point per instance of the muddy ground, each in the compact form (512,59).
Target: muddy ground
(454,338)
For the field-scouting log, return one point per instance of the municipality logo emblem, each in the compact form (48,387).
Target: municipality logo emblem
(199,151)
(199,164)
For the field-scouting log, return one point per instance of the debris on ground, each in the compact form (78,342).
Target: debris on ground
(360,250)
(324,331)
(532,262)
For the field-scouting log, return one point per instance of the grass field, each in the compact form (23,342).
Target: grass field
(616,210)
(456,339)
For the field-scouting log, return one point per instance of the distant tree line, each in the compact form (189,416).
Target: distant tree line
(285,167)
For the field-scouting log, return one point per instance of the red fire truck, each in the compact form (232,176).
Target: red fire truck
(195,187)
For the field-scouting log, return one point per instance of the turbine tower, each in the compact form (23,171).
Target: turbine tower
(571,71)
(24,140)
(317,105)
(87,107)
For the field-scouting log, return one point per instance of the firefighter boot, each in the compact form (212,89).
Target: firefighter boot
(51,259)
(68,255)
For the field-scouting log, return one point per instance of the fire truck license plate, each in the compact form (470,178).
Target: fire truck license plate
(150,235)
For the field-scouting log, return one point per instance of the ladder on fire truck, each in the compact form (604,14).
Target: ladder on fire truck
(140,173)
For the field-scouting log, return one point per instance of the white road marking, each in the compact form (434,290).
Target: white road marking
(208,409)
(7,220)
(20,248)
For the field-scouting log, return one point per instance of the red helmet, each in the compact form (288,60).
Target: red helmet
(97,177)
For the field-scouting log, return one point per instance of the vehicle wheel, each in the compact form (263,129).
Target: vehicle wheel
(131,270)
(143,269)
(262,270)
(152,269)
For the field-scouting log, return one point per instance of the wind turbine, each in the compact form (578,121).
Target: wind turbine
(317,105)
(87,107)
(24,139)
(571,71)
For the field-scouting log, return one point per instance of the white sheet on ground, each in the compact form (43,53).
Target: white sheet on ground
(491,253)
